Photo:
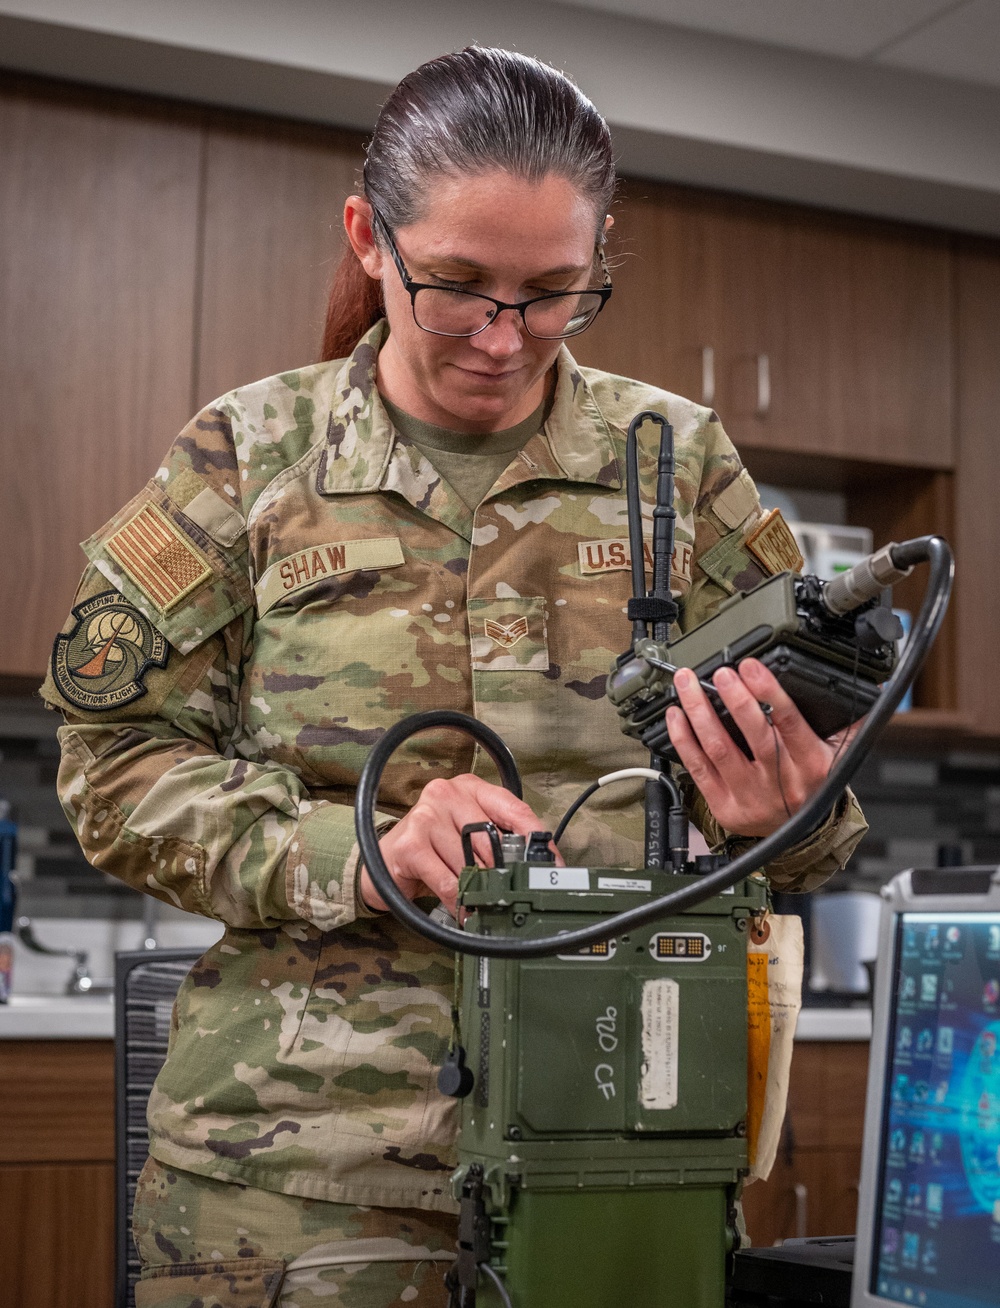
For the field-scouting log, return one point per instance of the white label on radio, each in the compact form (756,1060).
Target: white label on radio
(660,1043)
(558,878)
(624,883)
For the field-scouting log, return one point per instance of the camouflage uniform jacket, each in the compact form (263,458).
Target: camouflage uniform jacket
(294,579)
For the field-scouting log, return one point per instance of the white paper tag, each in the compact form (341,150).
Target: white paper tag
(623,883)
(558,878)
(660,1043)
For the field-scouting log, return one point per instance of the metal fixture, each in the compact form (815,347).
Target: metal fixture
(81,982)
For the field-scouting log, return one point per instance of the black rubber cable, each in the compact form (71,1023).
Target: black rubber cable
(932,549)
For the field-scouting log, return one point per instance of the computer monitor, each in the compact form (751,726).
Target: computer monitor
(929,1203)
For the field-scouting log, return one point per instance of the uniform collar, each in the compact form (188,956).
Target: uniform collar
(365,453)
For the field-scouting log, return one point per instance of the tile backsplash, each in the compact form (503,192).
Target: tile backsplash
(925,810)
(920,807)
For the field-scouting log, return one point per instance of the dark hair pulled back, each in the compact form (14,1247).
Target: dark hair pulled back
(465,113)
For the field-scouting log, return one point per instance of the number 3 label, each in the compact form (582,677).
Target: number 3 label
(558,878)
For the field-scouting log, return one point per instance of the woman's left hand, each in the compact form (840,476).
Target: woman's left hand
(749,797)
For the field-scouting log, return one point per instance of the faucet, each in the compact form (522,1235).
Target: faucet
(150,922)
(81,982)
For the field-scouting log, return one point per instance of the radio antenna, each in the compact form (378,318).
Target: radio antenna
(658,606)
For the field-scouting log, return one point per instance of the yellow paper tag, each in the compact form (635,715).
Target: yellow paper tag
(773,545)
(758,1048)
(774,996)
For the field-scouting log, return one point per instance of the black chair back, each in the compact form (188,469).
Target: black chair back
(146,984)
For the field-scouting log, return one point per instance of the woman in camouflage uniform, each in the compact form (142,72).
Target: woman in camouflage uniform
(433,517)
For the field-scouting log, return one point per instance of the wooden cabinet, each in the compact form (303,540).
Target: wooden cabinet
(57,1183)
(99,214)
(809,333)
(977,527)
(826,345)
(57,1164)
(813,1188)
(273,235)
(157,256)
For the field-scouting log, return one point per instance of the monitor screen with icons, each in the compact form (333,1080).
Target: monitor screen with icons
(936,1205)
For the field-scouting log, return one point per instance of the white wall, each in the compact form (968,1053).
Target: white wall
(684,106)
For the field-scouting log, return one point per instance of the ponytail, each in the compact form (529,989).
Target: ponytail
(354,307)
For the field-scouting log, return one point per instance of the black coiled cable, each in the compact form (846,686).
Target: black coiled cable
(931,549)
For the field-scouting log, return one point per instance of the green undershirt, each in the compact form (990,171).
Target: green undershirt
(470,462)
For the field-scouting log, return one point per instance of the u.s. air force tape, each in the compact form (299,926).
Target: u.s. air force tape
(101,664)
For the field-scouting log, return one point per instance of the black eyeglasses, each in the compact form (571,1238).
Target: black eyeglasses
(446,312)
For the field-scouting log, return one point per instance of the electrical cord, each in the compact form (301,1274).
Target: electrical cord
(931,549)
(498,1282)
(768,712)
(623,774)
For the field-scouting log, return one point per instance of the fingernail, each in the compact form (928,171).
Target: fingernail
(684,679)
(725,677)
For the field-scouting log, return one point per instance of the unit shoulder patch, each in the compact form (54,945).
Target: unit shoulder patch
(103,661)
(773,545)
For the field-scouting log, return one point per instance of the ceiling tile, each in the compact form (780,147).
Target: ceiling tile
(849,28)
(964,44)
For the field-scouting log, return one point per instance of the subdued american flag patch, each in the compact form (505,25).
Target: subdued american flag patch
(158,557)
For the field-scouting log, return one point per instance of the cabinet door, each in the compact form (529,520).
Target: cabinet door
(274,203)
(813,1186)
(57,1185)
(57,1231)
(98,209)
(658,323)
(977,518)
(808,333)
(833,335)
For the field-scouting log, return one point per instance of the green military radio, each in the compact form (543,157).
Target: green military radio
(580,1090)
(600,1044)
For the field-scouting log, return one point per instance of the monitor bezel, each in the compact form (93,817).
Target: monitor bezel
(898,896)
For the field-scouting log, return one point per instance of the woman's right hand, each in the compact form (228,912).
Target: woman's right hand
(423,851)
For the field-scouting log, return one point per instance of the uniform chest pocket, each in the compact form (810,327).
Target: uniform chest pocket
(509,635)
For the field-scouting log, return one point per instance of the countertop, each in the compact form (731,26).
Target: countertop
(92,1017)
(58,1017)
(834,1024)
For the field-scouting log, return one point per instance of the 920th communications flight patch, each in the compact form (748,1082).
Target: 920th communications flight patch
(101,663)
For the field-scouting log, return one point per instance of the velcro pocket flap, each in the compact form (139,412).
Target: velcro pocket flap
(734,505)
(170,569)
(730,564)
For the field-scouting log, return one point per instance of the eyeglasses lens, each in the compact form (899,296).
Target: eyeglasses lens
(563,315)
(457,313)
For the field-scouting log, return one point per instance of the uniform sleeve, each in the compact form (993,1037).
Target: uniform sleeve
(162,788)
(727,509)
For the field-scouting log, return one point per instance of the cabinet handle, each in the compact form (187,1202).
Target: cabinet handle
(763,385)
(801,1210)
(707,375)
